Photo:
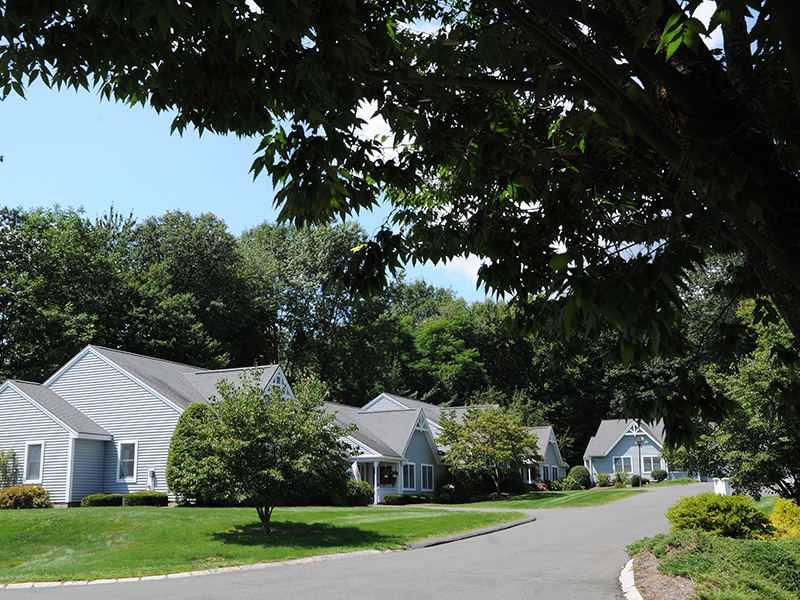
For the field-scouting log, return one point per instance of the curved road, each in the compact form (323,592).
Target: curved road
(570,554)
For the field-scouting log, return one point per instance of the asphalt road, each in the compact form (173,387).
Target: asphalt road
(570,554)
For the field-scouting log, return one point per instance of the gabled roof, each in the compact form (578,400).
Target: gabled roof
(385,433)
(544,436)
(611,431)
(433,412)
(62,411)
(178,383)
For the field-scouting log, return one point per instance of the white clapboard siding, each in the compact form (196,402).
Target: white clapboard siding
(125,408)
(88,468)
(21,421)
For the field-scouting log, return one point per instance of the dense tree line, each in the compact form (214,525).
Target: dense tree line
(183,288)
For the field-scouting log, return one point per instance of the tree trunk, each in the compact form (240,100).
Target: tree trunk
(265,514)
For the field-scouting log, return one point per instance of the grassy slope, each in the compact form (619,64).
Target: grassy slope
(728,569)
(569,499)
(110,542)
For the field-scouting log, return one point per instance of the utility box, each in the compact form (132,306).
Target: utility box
(722,486)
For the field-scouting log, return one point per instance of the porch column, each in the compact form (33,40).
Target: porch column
(375,480)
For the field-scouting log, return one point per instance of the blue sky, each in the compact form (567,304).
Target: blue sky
(72,149)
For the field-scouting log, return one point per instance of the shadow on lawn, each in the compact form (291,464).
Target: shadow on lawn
(303,535)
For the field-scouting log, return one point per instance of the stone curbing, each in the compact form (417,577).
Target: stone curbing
(628,584)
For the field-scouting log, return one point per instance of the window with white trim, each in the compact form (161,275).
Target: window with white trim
(409,476)
(623,463)
(554,472)
(427,478)
(545,473)
(126,469)
(34,459)
(651,463)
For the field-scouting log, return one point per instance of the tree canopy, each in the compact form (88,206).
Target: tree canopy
(592,151)
(487,440)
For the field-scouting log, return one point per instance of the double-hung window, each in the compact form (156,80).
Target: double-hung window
(427,478)
(409,477)
(545,473)
(34,460)
(651,463)
(623,463)
(126,470)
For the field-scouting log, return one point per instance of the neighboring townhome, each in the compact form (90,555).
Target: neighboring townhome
(103,422)
(626,445)
(550,468)
(393,450)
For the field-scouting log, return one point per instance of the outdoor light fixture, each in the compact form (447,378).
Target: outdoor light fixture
(639,441)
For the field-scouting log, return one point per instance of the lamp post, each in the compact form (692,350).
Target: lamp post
(639,443)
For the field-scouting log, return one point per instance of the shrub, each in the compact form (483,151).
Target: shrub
(620,479)
(145,498)
(359,493)
(571,484)
(539,487)
(659,475)
(635,480)
(730,516)
(394,499)
(581,474)
(785,518)
(9,468)
(554,485)
(603,479)
(25,496)
(102,500)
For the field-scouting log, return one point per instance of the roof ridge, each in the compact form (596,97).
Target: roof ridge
(154,358)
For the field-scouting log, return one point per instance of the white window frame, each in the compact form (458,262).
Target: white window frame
(120,444)
(554,473)
(545,473)
(409,476)
(651,459)
(427,469)
(27,461)
(622,460)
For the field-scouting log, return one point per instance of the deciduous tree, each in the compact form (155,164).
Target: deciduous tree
(488,440)
(592,152)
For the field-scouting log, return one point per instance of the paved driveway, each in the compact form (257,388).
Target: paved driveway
(570,554)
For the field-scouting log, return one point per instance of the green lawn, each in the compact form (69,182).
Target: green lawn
(680,481)
(99,543)
(570,499)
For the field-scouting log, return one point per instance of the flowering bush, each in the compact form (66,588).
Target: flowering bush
(539,487)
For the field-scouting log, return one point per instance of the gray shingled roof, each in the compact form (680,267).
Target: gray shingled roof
(542,437)
(433,412)
(347,415)
(385,432)
(59,408)
(180,383)
(610,430)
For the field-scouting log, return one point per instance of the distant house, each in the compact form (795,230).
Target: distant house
(393,450)
(551,467)
(103,422)
(615,448)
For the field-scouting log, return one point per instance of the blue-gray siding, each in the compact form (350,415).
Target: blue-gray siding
(419,452)
(626,447)
(88,462)
(22,422)
(127,410)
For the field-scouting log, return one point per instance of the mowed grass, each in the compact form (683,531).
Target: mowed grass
(114,542)
(679,481)
(568,499)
